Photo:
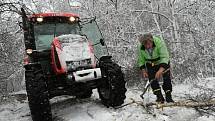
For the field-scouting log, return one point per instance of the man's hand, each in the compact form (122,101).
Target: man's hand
(159,73)
(145,74)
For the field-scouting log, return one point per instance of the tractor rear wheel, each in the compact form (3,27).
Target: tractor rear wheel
(38,95)
(112,88)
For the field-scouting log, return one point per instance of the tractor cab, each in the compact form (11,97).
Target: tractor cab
(45,29)
(46,26)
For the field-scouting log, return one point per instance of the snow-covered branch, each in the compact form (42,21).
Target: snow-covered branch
(154,12)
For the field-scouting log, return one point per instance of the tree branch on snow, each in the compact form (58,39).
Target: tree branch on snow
(200,106)
(205,95)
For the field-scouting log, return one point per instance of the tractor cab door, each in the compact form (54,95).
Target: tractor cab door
(93,33)
(28,35)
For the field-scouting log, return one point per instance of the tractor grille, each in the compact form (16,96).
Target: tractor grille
(78,65)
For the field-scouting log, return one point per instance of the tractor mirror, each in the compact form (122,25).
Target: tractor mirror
(20,25)
(102,42)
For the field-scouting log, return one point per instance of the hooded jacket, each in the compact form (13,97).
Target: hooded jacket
(160,54)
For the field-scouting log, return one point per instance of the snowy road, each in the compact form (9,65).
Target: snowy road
(70,109)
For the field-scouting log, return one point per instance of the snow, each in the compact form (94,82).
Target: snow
(75,47)
(67,108)
(15,112)
(205,118)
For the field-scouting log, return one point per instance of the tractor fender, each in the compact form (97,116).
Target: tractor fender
(105,58)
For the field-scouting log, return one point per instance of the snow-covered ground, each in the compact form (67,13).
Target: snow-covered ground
(70,109)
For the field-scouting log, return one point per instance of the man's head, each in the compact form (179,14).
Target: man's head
(146,40)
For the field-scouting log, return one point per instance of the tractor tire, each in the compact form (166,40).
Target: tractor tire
(86,94)
(38,96)
(112,89)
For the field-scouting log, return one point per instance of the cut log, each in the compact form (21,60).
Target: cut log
(188,104)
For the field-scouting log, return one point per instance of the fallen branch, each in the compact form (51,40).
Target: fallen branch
(188,104)
(130,103)
(147,109)
(185,103)
(138,103)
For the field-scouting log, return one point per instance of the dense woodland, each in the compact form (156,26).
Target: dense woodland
(187,26)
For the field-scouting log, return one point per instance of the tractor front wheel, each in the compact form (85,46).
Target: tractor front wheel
(38,95)
(112,87)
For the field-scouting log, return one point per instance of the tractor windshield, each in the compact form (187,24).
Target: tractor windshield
(91,30)
(45,33)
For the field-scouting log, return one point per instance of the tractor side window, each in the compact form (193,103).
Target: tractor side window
(44,34)
(93,33)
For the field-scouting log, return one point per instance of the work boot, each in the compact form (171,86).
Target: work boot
(160,98)
(169,98)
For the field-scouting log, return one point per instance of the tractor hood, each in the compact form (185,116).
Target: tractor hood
(72,51)
(75,47)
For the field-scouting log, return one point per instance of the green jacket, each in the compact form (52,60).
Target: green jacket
(160,54)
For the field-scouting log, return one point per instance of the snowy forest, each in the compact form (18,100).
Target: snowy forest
(186,26)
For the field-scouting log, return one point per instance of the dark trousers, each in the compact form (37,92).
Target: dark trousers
(167,85)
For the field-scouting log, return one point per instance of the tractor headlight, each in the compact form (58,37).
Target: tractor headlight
(39,19)
(29,51)
(77,19)
(72,19)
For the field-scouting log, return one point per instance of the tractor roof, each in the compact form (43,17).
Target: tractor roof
(54,14)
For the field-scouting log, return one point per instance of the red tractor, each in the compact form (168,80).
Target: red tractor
(66,55)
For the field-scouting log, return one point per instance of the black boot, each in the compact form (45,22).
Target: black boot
(169,98)
(160,98)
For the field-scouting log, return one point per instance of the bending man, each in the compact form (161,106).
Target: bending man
(153,61)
